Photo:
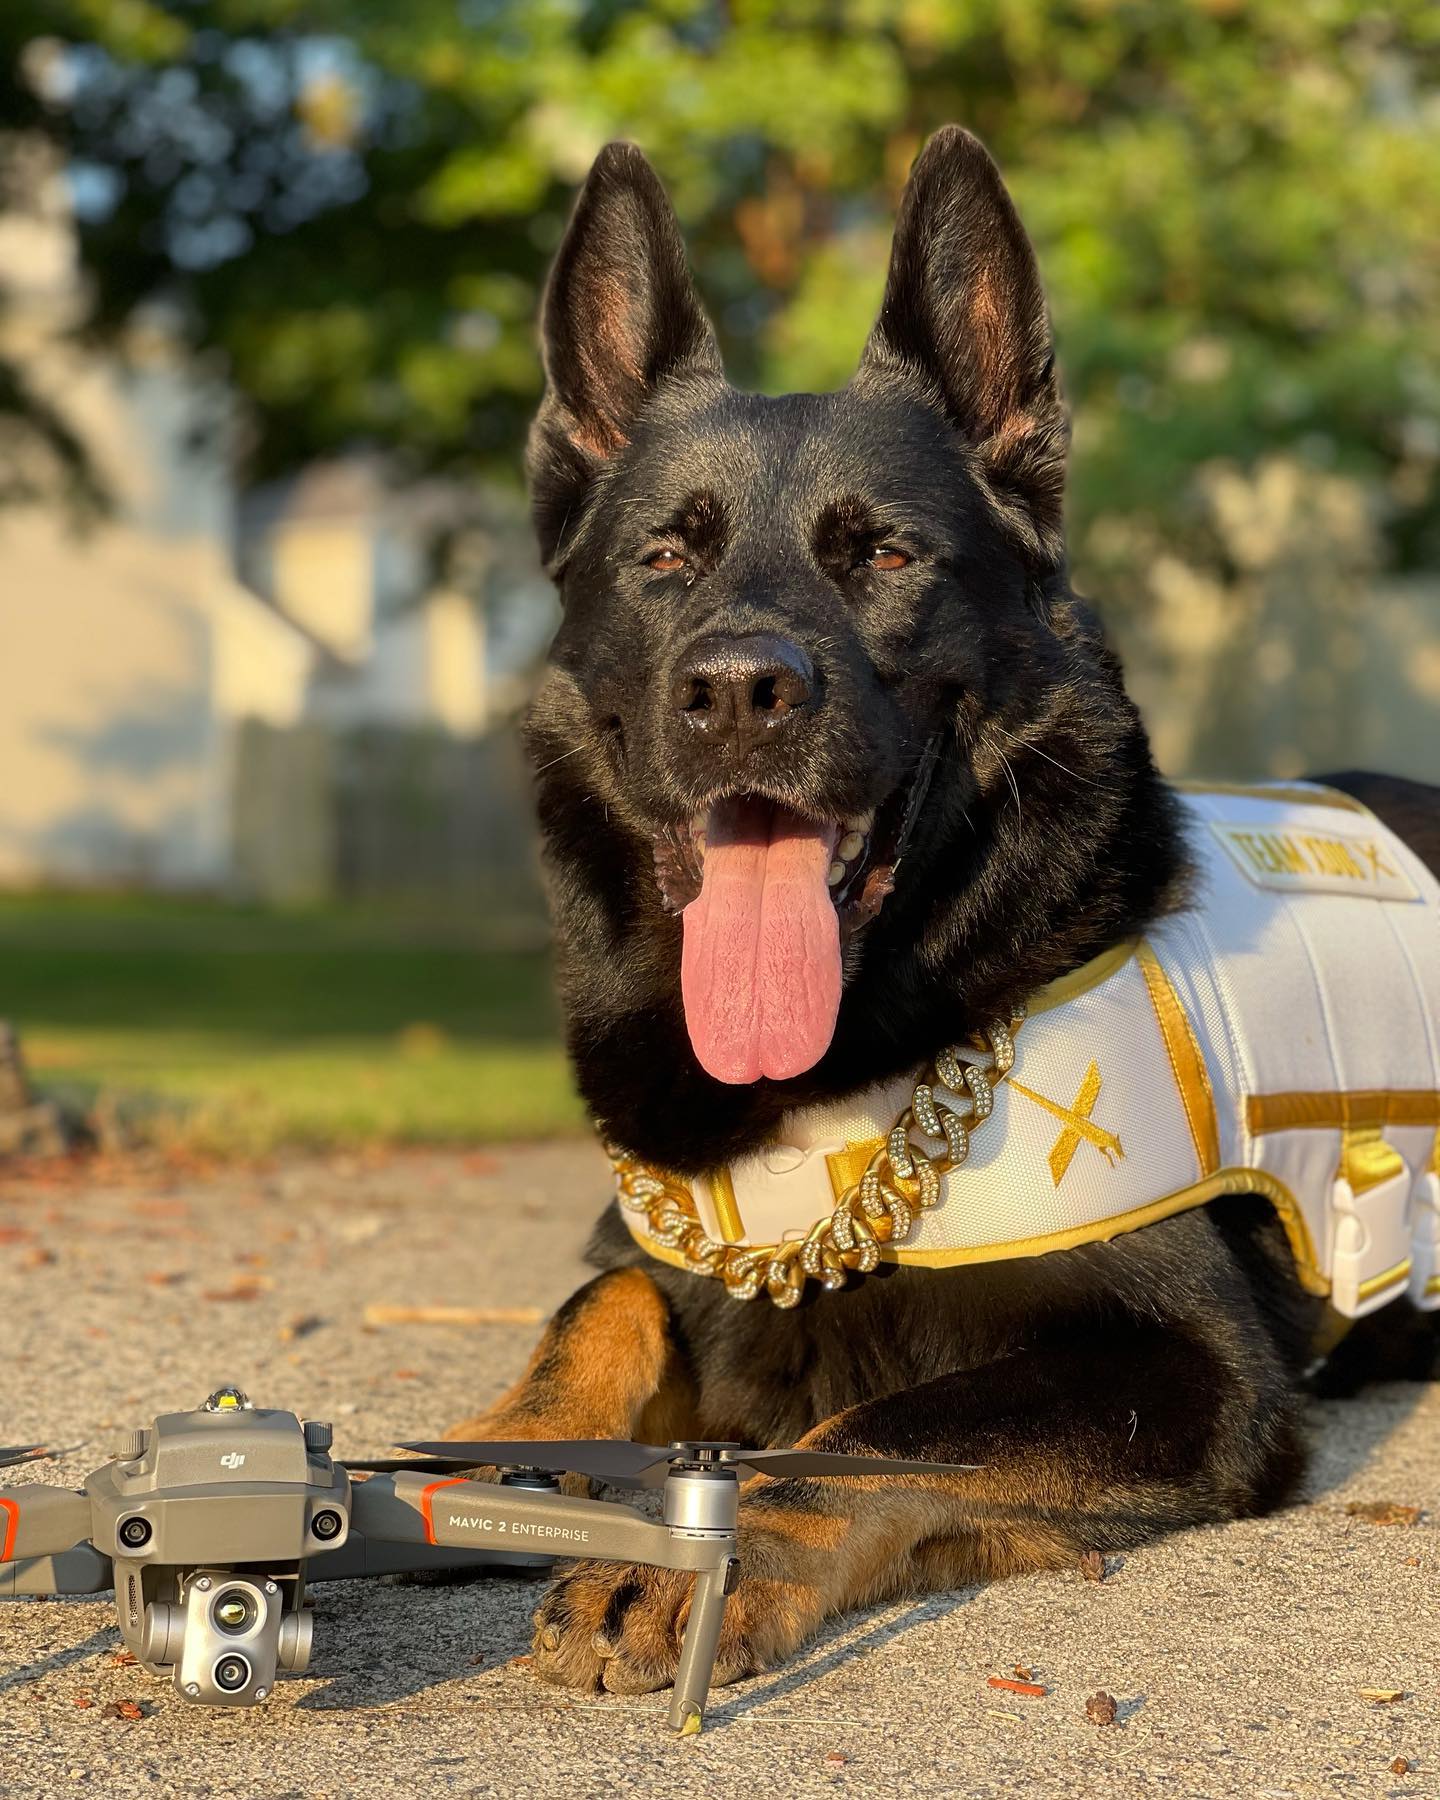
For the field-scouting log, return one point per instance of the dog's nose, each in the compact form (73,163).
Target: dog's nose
(742,687)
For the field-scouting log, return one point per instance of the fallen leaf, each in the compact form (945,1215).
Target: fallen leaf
(1100,1708)
(245,1287)
(1092,1565)
(1033,1688)
(406,1374)
(1384,1512)
(81,1700)
(1022,1672)
(125,1658)
(836,1759)
(520,1661)
(124,1709)
(1382,1696)
(164,1277)
(1400,1766)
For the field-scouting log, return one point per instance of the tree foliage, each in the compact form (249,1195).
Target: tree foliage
(1235,205)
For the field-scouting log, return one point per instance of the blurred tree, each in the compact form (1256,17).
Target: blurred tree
(353,203)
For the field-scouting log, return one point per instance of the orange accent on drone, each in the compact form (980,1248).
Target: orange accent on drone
(12,1525)
(426,1502)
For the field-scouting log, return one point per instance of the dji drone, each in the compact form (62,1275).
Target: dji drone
(210,1524)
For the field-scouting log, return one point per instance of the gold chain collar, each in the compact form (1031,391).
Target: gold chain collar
(902,1178)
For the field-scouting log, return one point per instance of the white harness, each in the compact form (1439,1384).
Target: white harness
(1281,1037)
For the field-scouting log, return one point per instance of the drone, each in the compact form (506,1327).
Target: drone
(211,1525)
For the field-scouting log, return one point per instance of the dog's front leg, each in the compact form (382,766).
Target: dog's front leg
(1121,1435)
(606,1366)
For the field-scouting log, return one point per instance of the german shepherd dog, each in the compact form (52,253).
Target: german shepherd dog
(772,606)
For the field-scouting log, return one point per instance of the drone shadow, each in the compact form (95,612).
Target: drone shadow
(102,1639)
(449,1628)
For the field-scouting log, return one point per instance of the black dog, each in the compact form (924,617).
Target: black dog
(821,620)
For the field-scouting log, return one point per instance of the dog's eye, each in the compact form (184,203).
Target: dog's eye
(666,561)
(887,557)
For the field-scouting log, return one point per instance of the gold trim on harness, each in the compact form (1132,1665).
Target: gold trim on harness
(879,1184)
(1187,1062)
(1387,1278)
(1223,1181)
(1359,1107)
(1315,794)
(1360,1116)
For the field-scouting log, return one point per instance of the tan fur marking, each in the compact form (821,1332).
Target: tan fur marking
(599,1372)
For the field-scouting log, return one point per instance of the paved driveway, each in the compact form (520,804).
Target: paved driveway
(1237,1656)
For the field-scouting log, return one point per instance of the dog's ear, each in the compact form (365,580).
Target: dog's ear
(620,316)
(965,308)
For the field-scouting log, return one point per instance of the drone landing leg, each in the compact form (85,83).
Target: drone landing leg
(697,1653)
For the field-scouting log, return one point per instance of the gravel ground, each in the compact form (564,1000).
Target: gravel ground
(1237,1656)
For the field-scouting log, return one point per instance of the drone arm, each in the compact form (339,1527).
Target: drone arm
(476,1515)
(79,1570)
(43,1547)
(378,1513)
(36,1520)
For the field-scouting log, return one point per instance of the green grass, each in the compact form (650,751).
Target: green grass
(237,1030)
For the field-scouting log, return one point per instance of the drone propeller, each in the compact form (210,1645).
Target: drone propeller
(624,1464)
(10,1454)
(390,1465)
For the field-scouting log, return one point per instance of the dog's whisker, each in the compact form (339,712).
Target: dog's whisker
(1014,789)
(559,759)
(1025,744)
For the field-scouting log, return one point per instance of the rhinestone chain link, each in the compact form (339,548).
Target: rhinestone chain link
(902,1179)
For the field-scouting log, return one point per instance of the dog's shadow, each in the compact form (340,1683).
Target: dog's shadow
(1344,1434)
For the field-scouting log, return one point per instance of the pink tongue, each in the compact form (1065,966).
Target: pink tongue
(760,973)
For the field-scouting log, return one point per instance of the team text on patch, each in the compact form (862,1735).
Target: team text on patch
(1329,862)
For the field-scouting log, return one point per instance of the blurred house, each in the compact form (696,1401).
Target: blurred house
(179,683)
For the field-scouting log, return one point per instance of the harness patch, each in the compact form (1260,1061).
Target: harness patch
(1329,862)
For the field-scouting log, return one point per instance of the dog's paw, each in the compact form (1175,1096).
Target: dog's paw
(609,1626)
